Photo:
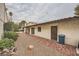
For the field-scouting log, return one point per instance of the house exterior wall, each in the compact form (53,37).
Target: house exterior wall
(45,30)
(69,28)
(1,29)
(2,18)
(71,31)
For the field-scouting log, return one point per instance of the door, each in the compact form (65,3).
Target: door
(28,30)
(32,30)
(54,32)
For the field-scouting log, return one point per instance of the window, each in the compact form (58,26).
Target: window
(32,30)
(39,29)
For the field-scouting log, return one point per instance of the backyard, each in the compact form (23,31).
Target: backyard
(22,35)
(41,47)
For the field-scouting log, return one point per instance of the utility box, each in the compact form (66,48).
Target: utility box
(62,39)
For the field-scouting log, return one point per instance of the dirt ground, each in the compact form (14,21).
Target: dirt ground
(24,40)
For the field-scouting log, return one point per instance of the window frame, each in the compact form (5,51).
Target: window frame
(39,29)
(32,30)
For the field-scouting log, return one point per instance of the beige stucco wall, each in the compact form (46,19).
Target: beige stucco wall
(45,30)
(71,31)
(2,17)
(69,28)
(1,29)
(2,11)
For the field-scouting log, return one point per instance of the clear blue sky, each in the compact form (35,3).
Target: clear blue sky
(41,12)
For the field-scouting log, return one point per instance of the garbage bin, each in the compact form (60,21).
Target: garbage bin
(62,39)
(78,44)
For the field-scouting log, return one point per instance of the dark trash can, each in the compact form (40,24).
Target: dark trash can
(78,44)
(62,39)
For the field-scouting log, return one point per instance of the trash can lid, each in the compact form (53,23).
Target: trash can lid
(61,35)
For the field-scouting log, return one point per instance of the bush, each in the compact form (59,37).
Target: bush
(6,43)
(10,35)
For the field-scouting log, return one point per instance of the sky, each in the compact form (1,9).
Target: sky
(41,12)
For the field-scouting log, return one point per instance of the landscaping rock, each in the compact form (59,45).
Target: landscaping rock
(12,53)
(6,50)
(77,51)
(0,52)
(13,49)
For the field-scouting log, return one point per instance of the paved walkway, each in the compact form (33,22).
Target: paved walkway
(42,47)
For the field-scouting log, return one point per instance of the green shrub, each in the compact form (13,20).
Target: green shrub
(6,43)
(10,35)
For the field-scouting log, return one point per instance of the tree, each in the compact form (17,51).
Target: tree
(8,26)
(11,26)
(11,14)
(6,15)
(22,23)
(16,27)
(77,10)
